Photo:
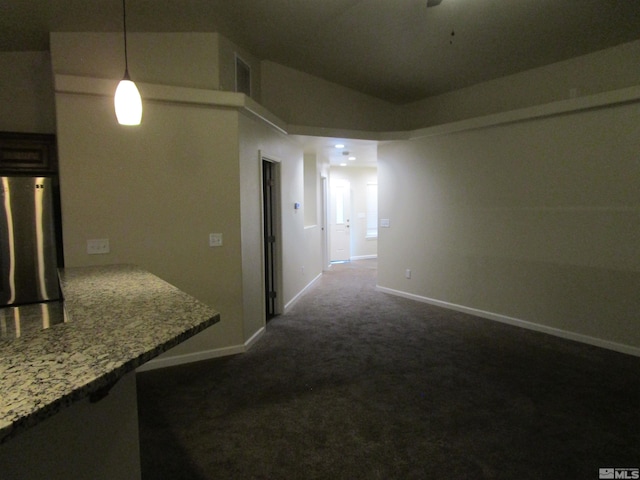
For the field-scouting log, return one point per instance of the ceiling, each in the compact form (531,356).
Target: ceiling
(397,50)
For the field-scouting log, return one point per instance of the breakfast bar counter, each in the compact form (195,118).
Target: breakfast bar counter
(117,317)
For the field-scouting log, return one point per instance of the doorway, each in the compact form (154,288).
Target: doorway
(271,236)
(339,221)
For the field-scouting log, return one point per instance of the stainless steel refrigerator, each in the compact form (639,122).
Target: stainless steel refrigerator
(28,240)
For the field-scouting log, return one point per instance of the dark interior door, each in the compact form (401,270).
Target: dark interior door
(269,202)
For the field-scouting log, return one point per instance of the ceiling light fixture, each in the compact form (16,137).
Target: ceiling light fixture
(127,101)
(339,145)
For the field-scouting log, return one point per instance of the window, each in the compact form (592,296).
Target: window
(372,210)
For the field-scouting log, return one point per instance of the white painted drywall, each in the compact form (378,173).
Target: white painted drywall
(537,220)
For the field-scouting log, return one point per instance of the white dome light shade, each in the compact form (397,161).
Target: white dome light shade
(128,103)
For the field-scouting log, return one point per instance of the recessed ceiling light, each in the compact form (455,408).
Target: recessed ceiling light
(352,158)
(339,145)
(343,164)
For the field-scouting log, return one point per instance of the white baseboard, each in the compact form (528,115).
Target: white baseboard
(364,257)
(203,355)
(254,338)
(218,352)
(578,337)
(292,302)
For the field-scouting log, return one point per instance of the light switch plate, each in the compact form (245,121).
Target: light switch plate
(215,239)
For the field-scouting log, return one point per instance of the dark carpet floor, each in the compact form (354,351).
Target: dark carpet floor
(355,383)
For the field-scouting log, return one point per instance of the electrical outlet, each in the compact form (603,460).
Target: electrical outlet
(98,246)
(407,273)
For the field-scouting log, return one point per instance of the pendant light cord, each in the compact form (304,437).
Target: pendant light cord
(124,24)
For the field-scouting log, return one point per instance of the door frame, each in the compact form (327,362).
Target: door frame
(276,219)
(333,186)
(324,218)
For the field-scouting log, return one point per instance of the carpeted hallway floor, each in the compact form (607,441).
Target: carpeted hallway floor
(355,383)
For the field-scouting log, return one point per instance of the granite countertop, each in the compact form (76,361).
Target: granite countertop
(117,318)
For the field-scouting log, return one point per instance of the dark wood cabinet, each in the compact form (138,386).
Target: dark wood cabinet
(28,153)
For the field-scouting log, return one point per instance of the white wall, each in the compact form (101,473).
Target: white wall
(300,245)
(310,204)
(301,99)
(26,93)
(202,60)
(156,192)
(537,220)
(179,59)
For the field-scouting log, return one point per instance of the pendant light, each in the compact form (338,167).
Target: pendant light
(127,101)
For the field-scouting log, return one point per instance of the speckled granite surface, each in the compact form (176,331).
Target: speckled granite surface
(119,317)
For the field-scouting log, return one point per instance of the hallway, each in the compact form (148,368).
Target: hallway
(355,383)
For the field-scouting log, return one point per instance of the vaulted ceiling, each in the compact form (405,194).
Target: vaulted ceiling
(396,50)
